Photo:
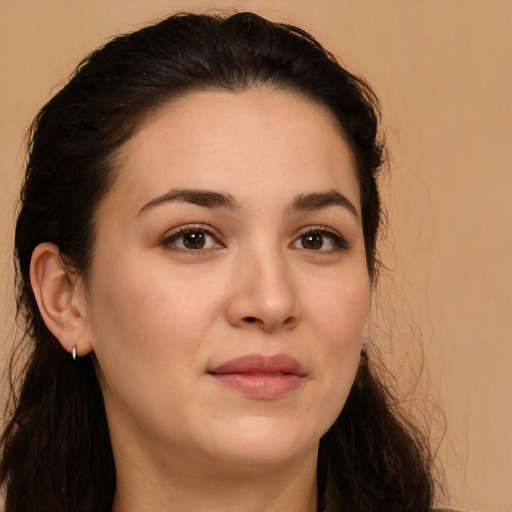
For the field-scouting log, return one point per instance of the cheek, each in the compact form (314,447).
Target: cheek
(339,320)
(147,318)
(339,310)
(148,330)
(145,301)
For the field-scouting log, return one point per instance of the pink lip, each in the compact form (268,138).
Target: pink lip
(261,376)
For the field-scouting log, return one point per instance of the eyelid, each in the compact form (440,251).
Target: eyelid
(175,233)
(340,241)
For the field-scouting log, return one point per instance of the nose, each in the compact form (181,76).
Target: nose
(264,294)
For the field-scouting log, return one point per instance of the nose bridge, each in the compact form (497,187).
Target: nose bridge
(274,284)
(265,293)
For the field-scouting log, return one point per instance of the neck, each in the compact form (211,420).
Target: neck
(148,485)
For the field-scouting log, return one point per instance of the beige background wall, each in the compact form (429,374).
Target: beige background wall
(442,69)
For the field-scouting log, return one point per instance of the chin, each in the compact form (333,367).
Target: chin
(265,442)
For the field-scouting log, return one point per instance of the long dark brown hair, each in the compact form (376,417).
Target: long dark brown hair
(56,453)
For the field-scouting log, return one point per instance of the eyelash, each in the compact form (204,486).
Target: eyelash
(338,240)
(340,243)
(181,231)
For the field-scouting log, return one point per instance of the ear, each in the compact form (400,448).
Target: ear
(60,296)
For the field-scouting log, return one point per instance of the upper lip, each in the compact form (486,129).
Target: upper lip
(257,364)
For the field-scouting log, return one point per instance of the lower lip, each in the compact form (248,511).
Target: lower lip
(260,386)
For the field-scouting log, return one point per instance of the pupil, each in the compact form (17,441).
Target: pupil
(194,240)
(312,241)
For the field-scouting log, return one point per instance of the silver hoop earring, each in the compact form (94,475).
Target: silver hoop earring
(73,352)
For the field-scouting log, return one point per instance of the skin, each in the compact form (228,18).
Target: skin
(160,316)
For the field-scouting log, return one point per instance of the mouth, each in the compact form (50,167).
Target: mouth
(260,376)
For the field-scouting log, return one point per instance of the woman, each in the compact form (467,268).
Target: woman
(196,249)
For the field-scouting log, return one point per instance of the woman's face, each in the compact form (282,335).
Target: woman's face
(229,295)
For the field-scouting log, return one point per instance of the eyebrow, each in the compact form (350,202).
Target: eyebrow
(205,198)
(319,200)
(213,200)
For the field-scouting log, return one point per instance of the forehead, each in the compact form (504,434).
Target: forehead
(249,142)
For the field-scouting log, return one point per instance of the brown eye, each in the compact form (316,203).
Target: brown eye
(313,241)
(320,239)
(191,239)
(194,240)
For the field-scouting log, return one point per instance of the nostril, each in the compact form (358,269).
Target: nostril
(250,319)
